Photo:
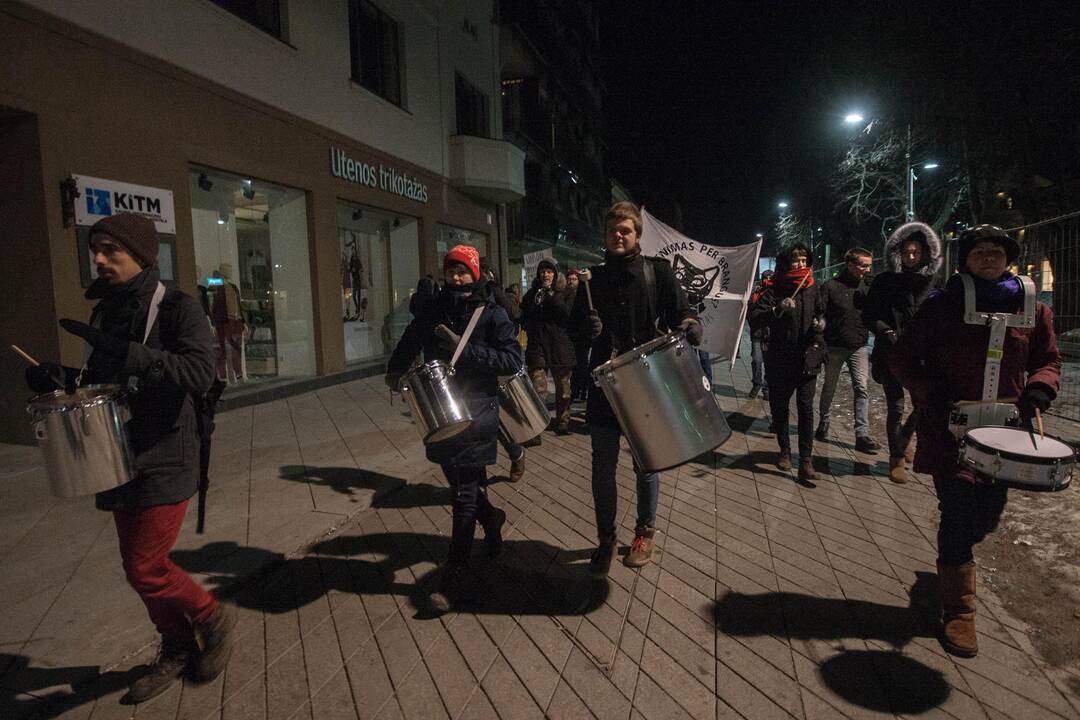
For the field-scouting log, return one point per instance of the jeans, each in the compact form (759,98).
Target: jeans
(561,375)
(757,361)
(706,365)
(969,513)
(513,450)
(469,504)
(173,600)
(605,456)
(783,383)
(898,429)
(858,365)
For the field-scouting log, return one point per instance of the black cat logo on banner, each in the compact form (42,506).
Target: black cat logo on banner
(698,283)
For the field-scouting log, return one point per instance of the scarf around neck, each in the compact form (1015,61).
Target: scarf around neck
(1004,295)
(785,283)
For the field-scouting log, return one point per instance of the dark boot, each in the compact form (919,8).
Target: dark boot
(822,432)
(783,462)
(866,444)
(600,562)
(956,583)
(492,523)
(807,476)
(517,468)
(215,638)
(755,390)
(453,588)
(173,659)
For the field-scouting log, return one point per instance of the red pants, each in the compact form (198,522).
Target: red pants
(173,600)
(228,335)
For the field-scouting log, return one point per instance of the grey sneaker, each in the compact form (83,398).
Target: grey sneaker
(171,663)
(215,637)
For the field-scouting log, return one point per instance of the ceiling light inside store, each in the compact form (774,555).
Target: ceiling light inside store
(249,192)
(222,218)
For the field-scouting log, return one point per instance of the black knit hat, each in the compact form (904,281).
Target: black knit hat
(547,264)
(135,233)
(987,233)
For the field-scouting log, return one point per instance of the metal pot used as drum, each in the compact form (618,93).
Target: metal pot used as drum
(522,412)
(1018,458)
(435,402)
(663,402)
(83,439)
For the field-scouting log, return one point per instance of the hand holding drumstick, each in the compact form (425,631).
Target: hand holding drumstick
(41,377)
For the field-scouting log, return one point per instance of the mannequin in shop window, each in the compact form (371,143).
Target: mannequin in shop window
(227,313)
(359,285)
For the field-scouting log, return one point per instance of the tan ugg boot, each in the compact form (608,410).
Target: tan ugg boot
(898,470)
(956,584)
(909,448)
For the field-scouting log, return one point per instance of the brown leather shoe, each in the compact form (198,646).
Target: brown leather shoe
(784,460)
(957,587)
(517,468)
(807,476)
(173,659)
(898,470)
(641,549)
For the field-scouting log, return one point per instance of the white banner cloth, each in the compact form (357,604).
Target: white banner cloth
(717,281)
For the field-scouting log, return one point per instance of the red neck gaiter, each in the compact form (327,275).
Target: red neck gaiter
(786,283)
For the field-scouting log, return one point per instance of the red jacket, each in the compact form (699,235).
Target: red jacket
(939,358)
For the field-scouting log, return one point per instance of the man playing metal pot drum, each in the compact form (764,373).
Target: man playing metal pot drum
(944,357)
(163,372)
(630,295)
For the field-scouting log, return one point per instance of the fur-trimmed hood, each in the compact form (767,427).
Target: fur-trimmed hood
(932,257)
(558,284)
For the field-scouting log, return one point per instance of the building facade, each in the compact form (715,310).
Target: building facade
(314,158)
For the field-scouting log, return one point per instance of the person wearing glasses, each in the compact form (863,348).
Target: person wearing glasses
(846,337)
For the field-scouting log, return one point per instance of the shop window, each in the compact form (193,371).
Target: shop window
(254,272)
(380,267)
(447,236)
(472,108)
(375,42)
(263,14)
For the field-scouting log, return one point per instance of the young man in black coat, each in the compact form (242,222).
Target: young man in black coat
(792,310)
(165,363)
(492,351)
(844,298)
(630,301)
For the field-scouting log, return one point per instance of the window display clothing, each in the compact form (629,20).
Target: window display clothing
(228,318)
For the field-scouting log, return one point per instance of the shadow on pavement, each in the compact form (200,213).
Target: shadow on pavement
(897,683)
(86,681)
(386,488)
(529,578)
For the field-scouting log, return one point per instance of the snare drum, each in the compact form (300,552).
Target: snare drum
(1018,458)
(522,412)
(663,403)
(436,403)
(83,439)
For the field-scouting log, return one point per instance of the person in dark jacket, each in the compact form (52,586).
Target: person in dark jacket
(545,312)
(630,302)
(158,345)
(913,256)
(509,303)
(491,351)
(759,337)
(793,312)
(941,359)
(844,298)
(579,378)
(426,290)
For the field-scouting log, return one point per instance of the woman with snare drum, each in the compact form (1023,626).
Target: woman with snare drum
(491,351)
(941,359)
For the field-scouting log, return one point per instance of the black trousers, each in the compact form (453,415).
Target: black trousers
(969,513)
(897,429)
(783,383)
(470,504)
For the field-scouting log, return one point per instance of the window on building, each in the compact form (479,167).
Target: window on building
(263,14)
(472,108)
(375,44)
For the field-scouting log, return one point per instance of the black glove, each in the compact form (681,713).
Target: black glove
(814,358)
(448,339)
(1035,396)
(393,380)
(46,377)
(98,339)
(693,330)
(594,325)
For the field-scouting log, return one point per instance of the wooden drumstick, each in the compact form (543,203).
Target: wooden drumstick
(25,355)
(585,276)
(1039,422)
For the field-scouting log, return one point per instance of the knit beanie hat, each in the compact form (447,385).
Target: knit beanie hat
(547,264)
(467,256)
(986,233)
(134,233)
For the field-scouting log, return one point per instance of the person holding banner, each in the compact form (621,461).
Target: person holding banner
(793,312)
(624,302)
(491,351)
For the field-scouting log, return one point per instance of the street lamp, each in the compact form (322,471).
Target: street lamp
(853,118)
(912,177)
(782,205)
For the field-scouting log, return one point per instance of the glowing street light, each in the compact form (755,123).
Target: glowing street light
(929,165)
(782,204)
(758,235)
(853,118)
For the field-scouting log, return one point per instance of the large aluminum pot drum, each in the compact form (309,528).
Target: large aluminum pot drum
(663,402)
(522,412)
(436,403)
(1018,458)
(83,439)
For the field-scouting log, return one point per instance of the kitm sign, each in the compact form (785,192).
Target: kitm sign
(100,198)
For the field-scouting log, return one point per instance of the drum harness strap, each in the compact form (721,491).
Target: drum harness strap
(151,318)
(998,323)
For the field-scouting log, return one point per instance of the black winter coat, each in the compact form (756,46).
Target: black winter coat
(175,364)
(545,313)
(844,299)
(790,332)
(492,351)
(629,314)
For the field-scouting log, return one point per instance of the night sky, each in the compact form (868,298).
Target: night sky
(725,108)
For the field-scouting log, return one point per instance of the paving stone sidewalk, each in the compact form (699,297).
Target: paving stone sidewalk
(767,599)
